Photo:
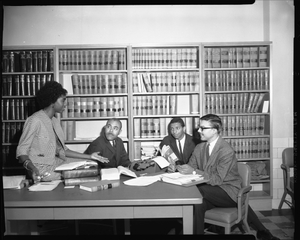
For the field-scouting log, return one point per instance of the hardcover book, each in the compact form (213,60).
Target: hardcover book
(80,180)
(79,173)
(114,173)
(99,185)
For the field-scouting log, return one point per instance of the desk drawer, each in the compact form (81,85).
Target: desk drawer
(28,213)
(93,213)
(158,212)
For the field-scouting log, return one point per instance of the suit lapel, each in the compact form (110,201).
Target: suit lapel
(212,157)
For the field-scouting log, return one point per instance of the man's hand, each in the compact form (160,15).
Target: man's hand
(185,169)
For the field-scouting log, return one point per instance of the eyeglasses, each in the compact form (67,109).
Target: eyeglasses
(203,128)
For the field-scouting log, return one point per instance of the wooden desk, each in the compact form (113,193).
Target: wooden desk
(159,200)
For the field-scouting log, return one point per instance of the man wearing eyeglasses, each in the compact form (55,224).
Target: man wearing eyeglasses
(216,160)
(110,146)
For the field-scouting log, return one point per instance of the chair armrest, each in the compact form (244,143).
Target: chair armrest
(244,190)
(242,196)
(285,167)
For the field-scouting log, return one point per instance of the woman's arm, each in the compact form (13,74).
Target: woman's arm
(93,156)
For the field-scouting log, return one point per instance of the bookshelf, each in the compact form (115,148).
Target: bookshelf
(24,71)
(165,84)
(96,79)
(237,87)
(145,86)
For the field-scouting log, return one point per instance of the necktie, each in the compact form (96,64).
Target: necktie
(180,149)
(207,151)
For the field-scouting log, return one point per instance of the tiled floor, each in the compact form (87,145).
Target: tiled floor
(280,224)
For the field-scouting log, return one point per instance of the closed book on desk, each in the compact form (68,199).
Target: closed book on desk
(99,185)
(78,181)
(79,173)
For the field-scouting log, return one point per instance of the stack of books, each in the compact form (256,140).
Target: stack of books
(76,173)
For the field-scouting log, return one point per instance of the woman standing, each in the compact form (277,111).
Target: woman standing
(41,147)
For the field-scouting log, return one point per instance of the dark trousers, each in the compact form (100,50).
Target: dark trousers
(215,196)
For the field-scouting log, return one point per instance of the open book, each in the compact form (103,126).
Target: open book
(114,173)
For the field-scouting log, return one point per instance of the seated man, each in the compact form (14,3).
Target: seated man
(179,141)
(216,160)
(110,146)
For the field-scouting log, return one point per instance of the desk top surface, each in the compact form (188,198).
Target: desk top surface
(158,193)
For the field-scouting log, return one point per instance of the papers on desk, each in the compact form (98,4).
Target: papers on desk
(173,178)
(76,165)
(183,179)
(142,181)
(44,186)
(13,182)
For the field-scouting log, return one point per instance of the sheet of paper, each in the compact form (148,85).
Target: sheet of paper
(161,161)
(44,186)
(142,181)
(73,165)
(10,182)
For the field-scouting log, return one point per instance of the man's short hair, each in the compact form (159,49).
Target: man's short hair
(178,120)
(214,120)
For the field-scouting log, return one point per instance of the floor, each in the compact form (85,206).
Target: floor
(280,223)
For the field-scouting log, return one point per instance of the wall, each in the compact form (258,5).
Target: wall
(129,25)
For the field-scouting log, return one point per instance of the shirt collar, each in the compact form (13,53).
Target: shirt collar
(212,145)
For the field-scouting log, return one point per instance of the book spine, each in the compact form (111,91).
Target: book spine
(103,106)
(78,181)
(263,56)
(104,186)
(96,107)
(80,173)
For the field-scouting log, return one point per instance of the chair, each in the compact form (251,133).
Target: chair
(287,163)
(228,217)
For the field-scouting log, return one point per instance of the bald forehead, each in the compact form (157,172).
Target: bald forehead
(114,123)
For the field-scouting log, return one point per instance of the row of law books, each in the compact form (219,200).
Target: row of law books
(69,128)
(246,125)
(158,127)
(235,103)
(24,85)
(246,148)
(151,58)
(17,109)
(236,57)
(95,107)
(165,82)
(165,104)
(92,59)
(11,131)
(27,61)
(236,80)
(96,84)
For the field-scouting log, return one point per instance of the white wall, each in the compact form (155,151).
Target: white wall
(128,25)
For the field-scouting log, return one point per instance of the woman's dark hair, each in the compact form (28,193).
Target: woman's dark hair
(49,93)
(214,120)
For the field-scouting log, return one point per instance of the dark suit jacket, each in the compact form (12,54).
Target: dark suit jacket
(116,155)
(221,166)
(187,150)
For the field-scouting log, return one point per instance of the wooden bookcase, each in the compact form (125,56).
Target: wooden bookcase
(165,84)
(148,85)
(24,71)
(237,87)
(96,78)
